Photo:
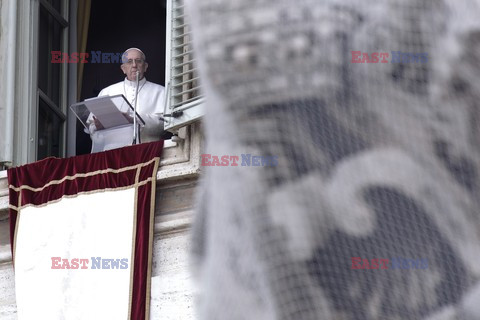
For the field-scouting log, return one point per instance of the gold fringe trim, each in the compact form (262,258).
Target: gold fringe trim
(82,175)
(80,193)
(150,240)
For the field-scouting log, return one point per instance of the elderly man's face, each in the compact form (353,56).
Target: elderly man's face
(134,62)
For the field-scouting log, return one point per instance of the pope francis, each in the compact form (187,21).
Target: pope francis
(151,99)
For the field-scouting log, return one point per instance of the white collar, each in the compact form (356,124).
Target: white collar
(133,83)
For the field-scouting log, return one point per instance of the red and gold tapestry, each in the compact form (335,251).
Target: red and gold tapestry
(82,232)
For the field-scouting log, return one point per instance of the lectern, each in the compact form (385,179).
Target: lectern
(115,114)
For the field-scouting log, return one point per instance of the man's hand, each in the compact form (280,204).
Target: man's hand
(128,117)
(98,124)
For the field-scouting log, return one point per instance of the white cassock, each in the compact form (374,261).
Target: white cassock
(151,100)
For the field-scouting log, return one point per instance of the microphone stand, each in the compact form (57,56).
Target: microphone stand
(135,126)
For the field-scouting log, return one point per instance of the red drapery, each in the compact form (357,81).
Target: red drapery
(52,179)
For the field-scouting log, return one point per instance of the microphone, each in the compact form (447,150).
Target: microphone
(135,126)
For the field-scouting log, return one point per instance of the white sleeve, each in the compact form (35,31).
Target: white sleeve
(90,123)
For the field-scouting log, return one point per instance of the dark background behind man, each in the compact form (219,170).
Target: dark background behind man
(116,25)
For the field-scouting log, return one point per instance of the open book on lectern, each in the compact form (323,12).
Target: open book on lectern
(111,111)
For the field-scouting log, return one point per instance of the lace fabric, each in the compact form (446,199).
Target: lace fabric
(372,209)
